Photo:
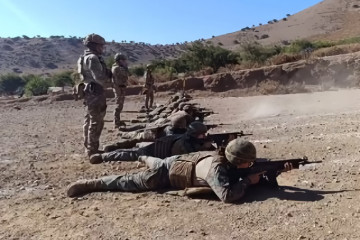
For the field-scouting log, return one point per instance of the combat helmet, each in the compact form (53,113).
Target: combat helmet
(178,122)
(119,56)
(94,38)
(239,151)
(196,128)
(182,105)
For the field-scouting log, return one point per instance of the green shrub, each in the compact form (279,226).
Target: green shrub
(109,61)
(63,79)
(298,46)
(37,86)
(256,53)
(348,41)
(323,44)
(198,56)
(137,71)
(10,83)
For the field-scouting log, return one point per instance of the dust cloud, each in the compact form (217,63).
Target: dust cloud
(300,104)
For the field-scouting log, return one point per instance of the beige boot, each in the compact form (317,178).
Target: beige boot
(82,187)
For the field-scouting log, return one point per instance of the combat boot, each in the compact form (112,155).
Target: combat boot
(82,187)
(110,147)
(96,159)
(90,152)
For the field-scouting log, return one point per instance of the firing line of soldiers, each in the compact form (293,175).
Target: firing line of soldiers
(178,152)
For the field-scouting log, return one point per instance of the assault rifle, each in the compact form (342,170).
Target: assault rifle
(210,126)
(221,138)
(201,115)
(271,168)
(130,111)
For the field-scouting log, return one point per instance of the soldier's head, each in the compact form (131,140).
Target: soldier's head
(178,122)
(188,109)
(197,130)
(148,67)
(120,58)
(240,153)
(95,43)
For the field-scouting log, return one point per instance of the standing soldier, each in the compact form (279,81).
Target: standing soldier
(95,75)
(119,78)
(149,87)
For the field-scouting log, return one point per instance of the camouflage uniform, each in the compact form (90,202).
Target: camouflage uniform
(162,147)
(149,85)
(119,79)
(206,170)
(95,75)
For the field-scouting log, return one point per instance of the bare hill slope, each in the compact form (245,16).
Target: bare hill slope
(327,20)
(46,55)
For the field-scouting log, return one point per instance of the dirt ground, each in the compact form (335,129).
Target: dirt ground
(41,153)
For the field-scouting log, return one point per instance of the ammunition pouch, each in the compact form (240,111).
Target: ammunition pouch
(78,91)
(181,172)
(93,88)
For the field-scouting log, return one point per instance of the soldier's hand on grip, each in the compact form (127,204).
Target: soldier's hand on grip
(255,178)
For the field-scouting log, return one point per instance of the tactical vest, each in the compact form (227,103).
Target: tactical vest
(181,172)
(162,146)
(85,73)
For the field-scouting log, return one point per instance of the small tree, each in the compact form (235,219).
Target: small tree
(63,79)
(9,83)
(37,86)
(138,70)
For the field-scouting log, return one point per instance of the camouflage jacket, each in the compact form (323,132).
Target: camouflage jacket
(149,80)
(93,68)
(184,146)
(221,176)
(222,180)
(119,75)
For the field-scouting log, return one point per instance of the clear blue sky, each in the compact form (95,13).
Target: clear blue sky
(156,21)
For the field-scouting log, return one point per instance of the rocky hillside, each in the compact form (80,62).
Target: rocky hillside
(327,20)
(47,55)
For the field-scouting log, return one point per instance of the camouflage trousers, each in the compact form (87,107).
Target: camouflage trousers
(119,101)
(149,97)
(144,136)
(128,155)
(94,120)
(154,178)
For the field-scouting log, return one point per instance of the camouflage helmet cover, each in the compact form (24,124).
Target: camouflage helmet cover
(184,106)
(119,56)
(94,38)
(187,107)
(239,151)
(178,122)
(196,128)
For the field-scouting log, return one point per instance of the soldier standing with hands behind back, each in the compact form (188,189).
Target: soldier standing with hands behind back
(120,75)
(149,87)
(95,75)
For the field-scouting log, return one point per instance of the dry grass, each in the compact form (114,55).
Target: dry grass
(336,50)
(284,58)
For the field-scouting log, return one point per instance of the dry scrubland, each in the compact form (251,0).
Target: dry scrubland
(41,153)
(41,142)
